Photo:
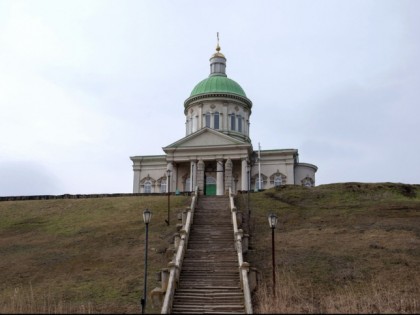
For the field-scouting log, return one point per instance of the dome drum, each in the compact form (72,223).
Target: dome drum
(234,98)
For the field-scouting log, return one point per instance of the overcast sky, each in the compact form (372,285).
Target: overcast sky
(84,85)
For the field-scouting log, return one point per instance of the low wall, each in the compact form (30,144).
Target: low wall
(83,196)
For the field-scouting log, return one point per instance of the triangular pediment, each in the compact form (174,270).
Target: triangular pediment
(205,137)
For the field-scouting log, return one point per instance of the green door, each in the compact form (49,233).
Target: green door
(210,186)
(210,189)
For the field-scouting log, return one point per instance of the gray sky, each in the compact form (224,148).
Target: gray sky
(84,85)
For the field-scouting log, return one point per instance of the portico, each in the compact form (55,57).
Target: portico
(212,158)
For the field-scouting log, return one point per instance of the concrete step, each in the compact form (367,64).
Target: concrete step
(209,281)
(205,293)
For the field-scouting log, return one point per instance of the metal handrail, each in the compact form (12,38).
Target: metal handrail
(243,266)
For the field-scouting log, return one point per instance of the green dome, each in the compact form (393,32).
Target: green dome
(218,84)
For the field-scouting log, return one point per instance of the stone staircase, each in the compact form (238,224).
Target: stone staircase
(209,281)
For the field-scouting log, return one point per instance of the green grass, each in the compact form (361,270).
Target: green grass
(87,255)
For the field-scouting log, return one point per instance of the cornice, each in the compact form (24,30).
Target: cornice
(195,98)
(308,165)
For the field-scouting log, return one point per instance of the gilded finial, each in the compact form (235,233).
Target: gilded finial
(218,53)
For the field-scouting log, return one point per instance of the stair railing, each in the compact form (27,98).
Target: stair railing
(243,266)
(176,264)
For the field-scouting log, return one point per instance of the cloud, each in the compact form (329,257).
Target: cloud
(84,85)
(27,178)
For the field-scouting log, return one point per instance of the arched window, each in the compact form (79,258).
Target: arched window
(163,185)
(261,186)
(308,182)
(216,120)
(232,122)
(239,123)
(277,180)
(147,186)
(208,119)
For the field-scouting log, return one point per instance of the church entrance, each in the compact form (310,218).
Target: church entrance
(210,188)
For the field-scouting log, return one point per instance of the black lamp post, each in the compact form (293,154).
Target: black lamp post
(168,173)
(272,220)
(248,169)
(147,215)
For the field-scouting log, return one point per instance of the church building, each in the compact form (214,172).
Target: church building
(216,153)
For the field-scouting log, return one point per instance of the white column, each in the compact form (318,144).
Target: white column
(225,117)
(193,175)
(190,125)
(174,178)
(194,122)
(136,180)
(200,176)
(169,187)
(290,174)
(228,175)
(244,177)
(200,117)
(219,178)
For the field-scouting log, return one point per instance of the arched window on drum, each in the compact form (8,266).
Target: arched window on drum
(208,116)
(216,120)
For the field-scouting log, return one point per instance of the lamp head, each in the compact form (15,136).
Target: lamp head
(147,216)
(272,220)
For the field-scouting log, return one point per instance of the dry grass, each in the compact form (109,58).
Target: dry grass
(72,255)
(21,301)
(375,296)
(342,248)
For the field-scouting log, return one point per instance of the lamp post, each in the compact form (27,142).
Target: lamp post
(248,169)
(168,173)
(272,220)
(147,215)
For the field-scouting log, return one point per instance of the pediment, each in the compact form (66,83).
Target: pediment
(205,138)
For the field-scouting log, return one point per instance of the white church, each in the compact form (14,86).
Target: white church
(216,153)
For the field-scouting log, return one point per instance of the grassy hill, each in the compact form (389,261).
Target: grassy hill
(349,247)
